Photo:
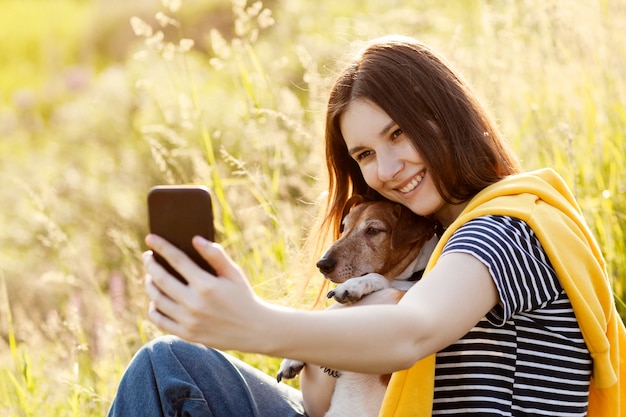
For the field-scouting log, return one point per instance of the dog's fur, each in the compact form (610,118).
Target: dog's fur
(382,245)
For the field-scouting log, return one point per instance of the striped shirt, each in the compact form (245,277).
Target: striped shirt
(527,356)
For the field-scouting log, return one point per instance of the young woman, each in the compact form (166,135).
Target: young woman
(513,317)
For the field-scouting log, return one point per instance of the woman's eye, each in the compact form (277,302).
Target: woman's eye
(396,133)
(360,156)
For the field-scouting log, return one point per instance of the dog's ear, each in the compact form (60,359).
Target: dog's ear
(355,200)
(410,228)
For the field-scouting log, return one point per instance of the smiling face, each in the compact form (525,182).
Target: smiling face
(448,147)
(389,162)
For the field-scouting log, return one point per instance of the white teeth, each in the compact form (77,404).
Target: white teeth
(411,186)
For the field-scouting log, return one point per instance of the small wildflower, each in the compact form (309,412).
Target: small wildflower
(265,19)
(140,27)
(171,5)
(606,194)
(241,26)
(76,78)
(117,293)
(254,9)
(24,99)
(156,40)
(216,63)
(219,44)
(143,84)
(141,55)
(237,44)
(169,51)
(253,35)
(185,45)
(165,20)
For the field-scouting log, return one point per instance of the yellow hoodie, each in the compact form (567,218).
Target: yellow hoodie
(543,200)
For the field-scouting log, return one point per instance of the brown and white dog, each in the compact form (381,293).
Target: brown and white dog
(382,245)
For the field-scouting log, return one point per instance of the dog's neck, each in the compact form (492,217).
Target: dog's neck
(404,280)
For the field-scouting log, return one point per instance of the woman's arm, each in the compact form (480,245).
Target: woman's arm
(318,385)
(223,312)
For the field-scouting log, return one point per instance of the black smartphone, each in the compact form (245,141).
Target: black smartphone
(177,213)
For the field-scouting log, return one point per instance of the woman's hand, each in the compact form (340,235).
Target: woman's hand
(216,310)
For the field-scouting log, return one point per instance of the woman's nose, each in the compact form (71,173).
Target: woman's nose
(388,166)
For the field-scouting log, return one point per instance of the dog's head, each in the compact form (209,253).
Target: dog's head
(377,236)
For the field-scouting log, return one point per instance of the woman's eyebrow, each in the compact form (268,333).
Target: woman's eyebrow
(383,132)
(352,151)
(386,128)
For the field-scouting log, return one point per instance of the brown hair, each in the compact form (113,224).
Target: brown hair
(461,145)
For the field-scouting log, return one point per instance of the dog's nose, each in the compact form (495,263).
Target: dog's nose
(326,265)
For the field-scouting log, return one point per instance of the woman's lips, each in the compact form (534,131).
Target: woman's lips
(412,184)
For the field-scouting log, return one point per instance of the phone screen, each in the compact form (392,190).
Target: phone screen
(178,213)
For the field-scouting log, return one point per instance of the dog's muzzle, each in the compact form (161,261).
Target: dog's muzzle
(326,265)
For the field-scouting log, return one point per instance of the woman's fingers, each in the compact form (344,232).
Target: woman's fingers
(176,258)
(163,321)
(161,280)
(208,307)
(163,302)
(217,257)
(212,252)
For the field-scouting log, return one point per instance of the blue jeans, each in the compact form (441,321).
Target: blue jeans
(170,377)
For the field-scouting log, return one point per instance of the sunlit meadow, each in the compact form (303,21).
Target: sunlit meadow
(101,99)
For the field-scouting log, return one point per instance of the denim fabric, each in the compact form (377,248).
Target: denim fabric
(173,378)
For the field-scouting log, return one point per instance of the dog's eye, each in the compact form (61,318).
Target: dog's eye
(372,231)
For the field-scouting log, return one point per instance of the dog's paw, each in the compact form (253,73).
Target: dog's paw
(289,368)
(343,296)
(356,288)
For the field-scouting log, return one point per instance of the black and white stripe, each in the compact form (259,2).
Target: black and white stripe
(527,357)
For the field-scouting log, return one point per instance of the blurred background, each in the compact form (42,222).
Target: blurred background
(100,100)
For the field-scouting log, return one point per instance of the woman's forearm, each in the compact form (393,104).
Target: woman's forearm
(381,339)
(346,338)
(350,339)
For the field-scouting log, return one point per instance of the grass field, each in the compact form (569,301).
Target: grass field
(93,114)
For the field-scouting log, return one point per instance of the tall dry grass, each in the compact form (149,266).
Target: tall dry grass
(242,112)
